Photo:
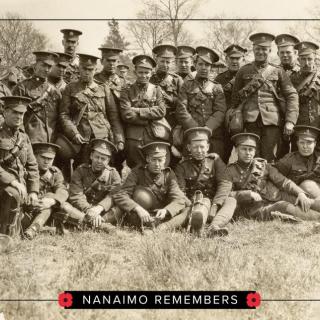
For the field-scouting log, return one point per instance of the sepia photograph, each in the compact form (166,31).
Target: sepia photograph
(159,159)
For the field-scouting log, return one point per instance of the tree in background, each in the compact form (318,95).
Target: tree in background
(115,39)
(219,34)
(18,39)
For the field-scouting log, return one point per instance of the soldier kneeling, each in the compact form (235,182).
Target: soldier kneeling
(201,178)
(90,187)
(52,194)
(151,195)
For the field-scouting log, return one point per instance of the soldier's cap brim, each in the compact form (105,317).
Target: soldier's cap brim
(63,59)
(262,39)
(156,148)
(47,57)
(71,33)
(46,149)
(306,132)
(17,103)
(285,40)
(246,139)
(185,52)
(144,61)
(206,54)
(306,47)
(88,59)
(103,146)
(165,51)
(235,50)
(197,134)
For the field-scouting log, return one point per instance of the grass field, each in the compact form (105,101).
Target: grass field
(278,260)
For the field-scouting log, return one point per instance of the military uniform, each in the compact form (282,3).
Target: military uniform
(278,193)
(90,110)
(4,91)
(260,88)
(52,186)
(183,53)
(59,84)
(206,176)
(17,162)
(42,115)
(202,103)
(141,106)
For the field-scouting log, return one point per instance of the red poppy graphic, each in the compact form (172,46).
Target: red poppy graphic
(253,300)
(65,299)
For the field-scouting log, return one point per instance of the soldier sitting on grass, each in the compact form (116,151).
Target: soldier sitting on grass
(151,195)
(52,192)
(202,174)
(90,188)
(262,192)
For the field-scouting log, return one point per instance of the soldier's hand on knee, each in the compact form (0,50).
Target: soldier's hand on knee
(46,203)
(97,221)
(143,214)
(21,189)
(304,202)
(161,214)
(94,211)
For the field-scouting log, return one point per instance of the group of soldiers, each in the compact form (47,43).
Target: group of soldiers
(67,130)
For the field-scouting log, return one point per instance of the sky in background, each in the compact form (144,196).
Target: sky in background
(94,32)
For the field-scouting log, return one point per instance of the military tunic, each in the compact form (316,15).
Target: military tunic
(91,111)
(298,168)
(163,185)
(170,84)
(88,188)
(292,70)
(4,91)
(41,122)
(58,83)
(72,73)
(140,106)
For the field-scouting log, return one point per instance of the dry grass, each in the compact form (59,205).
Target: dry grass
(278,260)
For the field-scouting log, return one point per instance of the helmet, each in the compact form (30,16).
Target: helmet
(145,198)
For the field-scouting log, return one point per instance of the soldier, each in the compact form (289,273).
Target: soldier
(70,44)
(169,82)
(235,58)
(287,53)
(261,191)
(303,166)
(203,172)
(52,194)
(42,115)
(201,101)
(150,194)
(185,60)
(88,111)
(260,90)
(109,77)
(58,71)
(4,91)
(90,189)
(123,70)
(141,106)
(19,175)
(288,61)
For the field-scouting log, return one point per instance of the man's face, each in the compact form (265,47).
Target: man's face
(306,146)
(245,153)
(307,62)
(143,74)
(70,46)
(287,55)
(42,69)
(44,162)
(123,71)
(155,164)
(110,64)
(13,118)
(164,64)
(99,160)
(184,65)
(87,73)
(261,53)
(203,68)
(198,149)
(58,71)
(234,63)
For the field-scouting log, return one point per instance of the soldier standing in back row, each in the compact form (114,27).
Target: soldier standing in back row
(235,58)
(169,82)
(41,118)
(261,89)
(70,43)
(19,175)
(185,60)
(88,110)
(202,102)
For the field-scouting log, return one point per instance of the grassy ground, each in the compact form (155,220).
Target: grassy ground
(278,260)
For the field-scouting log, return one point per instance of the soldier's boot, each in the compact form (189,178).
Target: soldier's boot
(222,218)
(199,216)
(37,224)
